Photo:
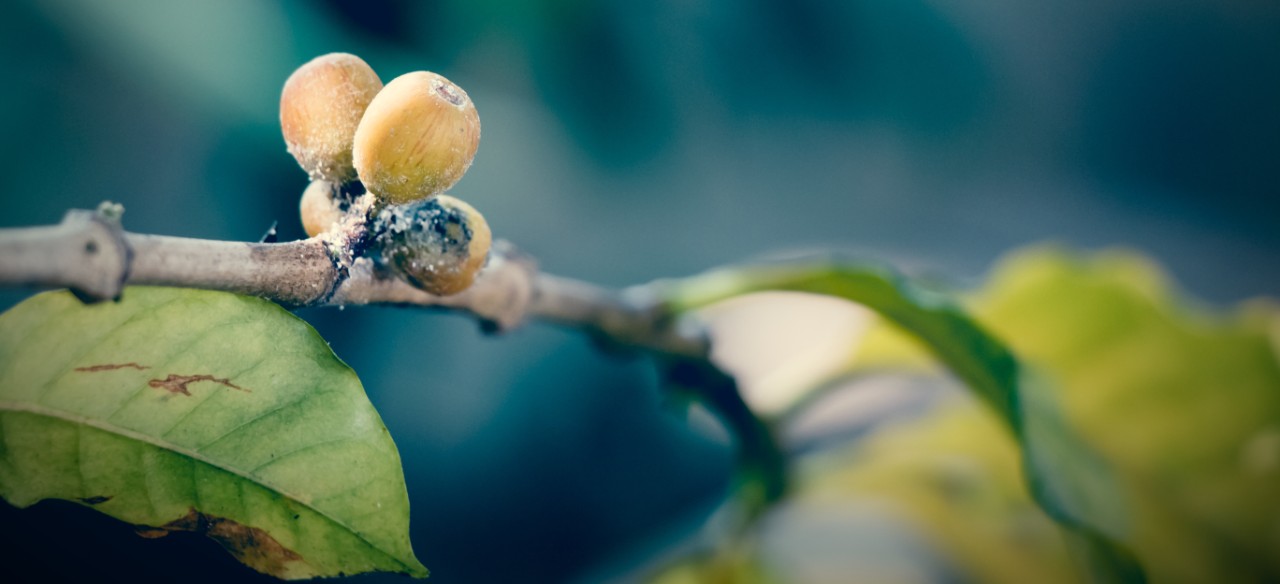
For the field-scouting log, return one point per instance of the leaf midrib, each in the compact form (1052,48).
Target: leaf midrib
(12,406)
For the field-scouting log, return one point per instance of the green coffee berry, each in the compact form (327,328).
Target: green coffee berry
(438,244)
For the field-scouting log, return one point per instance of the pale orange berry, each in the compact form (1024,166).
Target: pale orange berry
(319,207)
(417,138)
(320,108)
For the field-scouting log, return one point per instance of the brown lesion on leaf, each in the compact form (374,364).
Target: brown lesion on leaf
(149,532)
(95,500)
(111,367)
(252,546)
(175,383)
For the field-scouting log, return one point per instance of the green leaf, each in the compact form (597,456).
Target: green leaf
(975,356)
(183,410)
(1066,477)
(1183,403)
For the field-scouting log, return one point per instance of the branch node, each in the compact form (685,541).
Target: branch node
(96,252)
(111,212)
(512,273)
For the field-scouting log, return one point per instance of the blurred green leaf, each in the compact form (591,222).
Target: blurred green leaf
(726,568)
(956,473)
(979,359)
(1184,404)
(1181,405)
(183,410)
(1066,477)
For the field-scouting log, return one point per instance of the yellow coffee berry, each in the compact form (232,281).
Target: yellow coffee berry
(320,208)
(417,138)
(438,244)
(320,107)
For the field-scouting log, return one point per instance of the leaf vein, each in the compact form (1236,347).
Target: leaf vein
(302,449)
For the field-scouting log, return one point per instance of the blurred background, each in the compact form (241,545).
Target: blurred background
(629,141)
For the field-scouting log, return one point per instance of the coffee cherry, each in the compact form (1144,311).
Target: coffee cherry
(416,139)
(320,207)
(438,244)
(320,107)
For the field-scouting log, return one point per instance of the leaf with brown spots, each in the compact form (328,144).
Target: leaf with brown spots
(111,367)
(252,546)
(175,383)
(296,477)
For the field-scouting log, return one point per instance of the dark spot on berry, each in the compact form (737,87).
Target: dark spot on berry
(450,93)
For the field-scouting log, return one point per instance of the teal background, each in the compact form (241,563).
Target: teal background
(627,141)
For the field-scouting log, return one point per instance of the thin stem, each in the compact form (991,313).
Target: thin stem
(297,273)
(761,462)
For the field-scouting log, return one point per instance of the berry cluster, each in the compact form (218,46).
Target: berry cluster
(407,143)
